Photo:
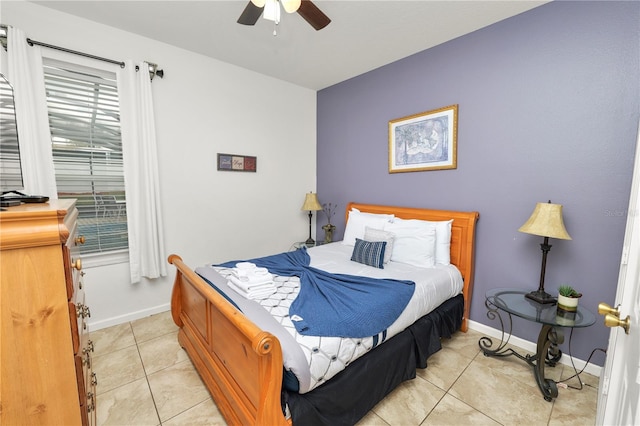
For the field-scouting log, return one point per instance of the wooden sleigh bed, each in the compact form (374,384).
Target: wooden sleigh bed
(242,365)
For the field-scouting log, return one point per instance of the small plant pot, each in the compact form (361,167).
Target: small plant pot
(567,306)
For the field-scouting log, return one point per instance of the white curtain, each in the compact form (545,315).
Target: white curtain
(26,75)
(144,218)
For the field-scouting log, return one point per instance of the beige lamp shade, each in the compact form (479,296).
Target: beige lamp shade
(311,202)
(546,221)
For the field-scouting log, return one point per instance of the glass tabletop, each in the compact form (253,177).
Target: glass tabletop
(512,300)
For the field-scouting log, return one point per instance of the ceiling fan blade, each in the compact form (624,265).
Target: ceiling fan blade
(313,15)
(250,14)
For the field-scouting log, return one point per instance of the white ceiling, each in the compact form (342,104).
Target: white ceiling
(362,36)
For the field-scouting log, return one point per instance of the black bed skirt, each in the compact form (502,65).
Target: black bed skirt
(352,393)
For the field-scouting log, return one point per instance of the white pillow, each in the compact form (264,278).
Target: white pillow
(374,235)
(443,237)
(414,242)
(443,241)
(357,221)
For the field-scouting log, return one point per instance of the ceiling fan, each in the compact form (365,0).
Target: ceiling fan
(305,8)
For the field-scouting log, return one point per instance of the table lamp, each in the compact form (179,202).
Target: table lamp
(311,204)
(545,221)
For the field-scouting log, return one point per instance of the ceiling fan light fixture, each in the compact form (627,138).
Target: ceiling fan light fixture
(272,11)
(290,6)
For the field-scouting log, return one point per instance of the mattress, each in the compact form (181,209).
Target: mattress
(310,361)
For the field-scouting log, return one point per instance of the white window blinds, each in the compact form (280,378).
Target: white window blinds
(84,117)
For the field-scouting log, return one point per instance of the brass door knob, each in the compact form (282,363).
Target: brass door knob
(612,317)
(611,320)
(604,309)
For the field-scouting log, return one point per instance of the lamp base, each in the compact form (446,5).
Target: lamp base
(541,296)
(310,242)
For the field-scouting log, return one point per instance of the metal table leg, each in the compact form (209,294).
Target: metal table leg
(547,351)
(486,343)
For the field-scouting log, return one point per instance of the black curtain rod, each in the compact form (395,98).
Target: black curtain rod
(87,55)
(153,68)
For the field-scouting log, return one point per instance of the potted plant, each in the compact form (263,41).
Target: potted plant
(568,299)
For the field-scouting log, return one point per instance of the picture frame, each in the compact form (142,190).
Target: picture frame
(237,163)
(424,141)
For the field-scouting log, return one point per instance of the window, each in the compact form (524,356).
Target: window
(84,118)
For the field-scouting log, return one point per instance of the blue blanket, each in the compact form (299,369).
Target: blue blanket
(337,305)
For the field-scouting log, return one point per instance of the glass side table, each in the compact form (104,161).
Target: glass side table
(300,244)
(512,301)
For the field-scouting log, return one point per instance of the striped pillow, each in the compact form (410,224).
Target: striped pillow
(369,253)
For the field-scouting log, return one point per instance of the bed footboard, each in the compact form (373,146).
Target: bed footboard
(240,364)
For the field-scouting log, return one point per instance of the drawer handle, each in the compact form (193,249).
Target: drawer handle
(89,347)
(94,379)
(83,311)
(77,264)
(80,240)
(91,402)
(86,360)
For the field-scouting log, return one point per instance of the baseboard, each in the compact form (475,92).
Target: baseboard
(131,316)
(531,347)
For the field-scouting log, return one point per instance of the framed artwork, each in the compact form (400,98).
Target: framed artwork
(425,141)
(237,163)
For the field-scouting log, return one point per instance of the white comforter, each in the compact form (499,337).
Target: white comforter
(312,359)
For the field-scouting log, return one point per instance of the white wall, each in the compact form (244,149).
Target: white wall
(203,107)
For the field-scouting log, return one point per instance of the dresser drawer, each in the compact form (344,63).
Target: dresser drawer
(85,398)
(87,381)
(73,261)
(79,312)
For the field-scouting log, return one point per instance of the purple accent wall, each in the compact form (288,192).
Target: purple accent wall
(548,110)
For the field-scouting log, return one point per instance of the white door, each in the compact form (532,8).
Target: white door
(619,392)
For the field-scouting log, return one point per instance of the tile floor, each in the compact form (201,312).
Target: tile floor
(145,378)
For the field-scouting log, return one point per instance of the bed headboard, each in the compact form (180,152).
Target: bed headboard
(463,231)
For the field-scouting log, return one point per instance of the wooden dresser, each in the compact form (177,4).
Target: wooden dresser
(45,350)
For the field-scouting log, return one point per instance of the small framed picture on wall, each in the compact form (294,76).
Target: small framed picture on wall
(237,163)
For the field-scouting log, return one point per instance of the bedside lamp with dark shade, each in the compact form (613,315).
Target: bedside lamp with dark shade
(311,204)
(545,221)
